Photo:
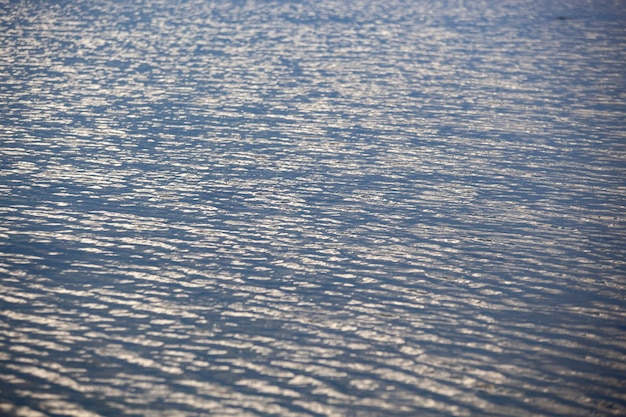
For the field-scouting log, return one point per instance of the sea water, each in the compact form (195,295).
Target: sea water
(334,208)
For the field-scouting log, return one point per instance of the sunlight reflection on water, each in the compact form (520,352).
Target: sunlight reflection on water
(330,208)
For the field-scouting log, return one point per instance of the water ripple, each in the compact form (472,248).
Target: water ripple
(323,208)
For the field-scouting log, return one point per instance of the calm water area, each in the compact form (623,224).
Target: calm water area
(312,208)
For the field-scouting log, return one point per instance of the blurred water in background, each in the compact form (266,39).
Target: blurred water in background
(334,208)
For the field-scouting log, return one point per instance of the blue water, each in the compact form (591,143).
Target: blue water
(369,208)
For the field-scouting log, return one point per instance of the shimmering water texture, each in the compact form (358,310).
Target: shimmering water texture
(318,208)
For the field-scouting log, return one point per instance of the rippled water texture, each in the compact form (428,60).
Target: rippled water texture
(333,208)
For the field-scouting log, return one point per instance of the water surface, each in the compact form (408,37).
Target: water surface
(334,208)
